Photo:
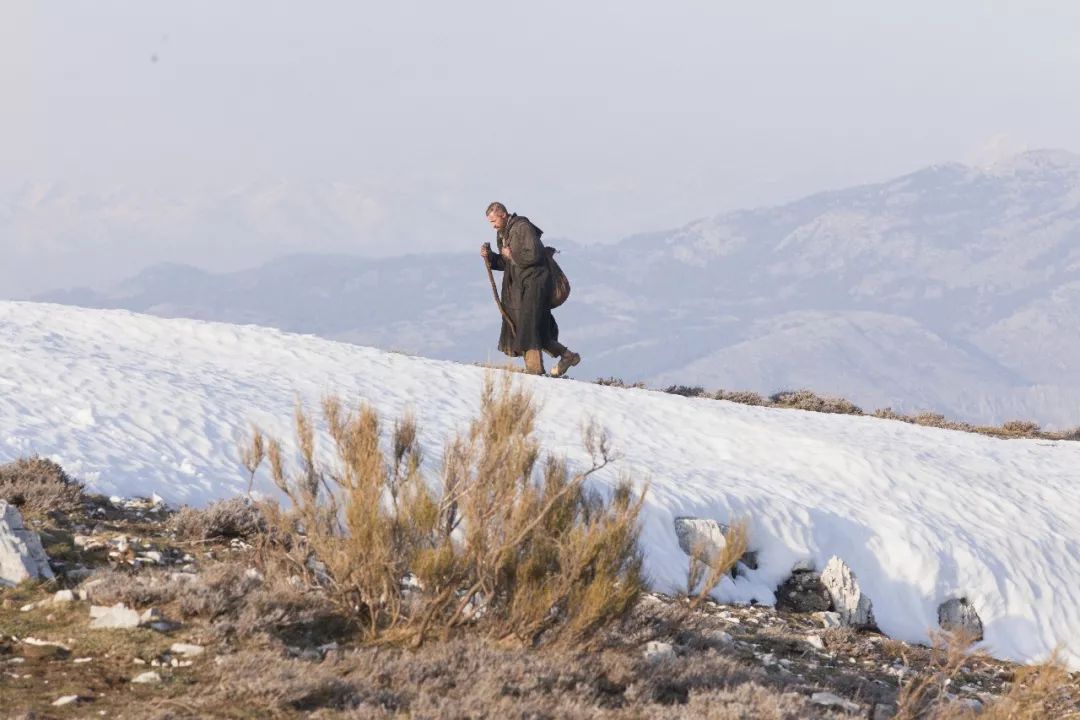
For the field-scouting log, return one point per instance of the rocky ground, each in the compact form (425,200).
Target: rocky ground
(157,615)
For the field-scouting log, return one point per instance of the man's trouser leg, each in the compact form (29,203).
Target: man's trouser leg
(534,362)
(555,349)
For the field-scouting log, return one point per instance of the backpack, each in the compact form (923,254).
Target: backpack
(560,285)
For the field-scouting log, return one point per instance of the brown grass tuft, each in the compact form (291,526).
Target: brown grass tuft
(514,546)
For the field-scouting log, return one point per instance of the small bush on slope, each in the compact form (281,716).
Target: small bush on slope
(236,517)
(510,545)
(38,486)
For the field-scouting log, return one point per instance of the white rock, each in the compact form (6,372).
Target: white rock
(80,661)
(853,606)
(147,677)
(151,555)
(28,607)
(186,649)
(63,596)
(65,700)
(116,617)
(21,555)
(804,565)
(700,534)
(815,641)
(656,651)
(829,699)
(40,643)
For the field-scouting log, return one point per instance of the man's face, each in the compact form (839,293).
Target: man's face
(497,219)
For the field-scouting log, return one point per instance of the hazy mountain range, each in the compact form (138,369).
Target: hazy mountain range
(954,289)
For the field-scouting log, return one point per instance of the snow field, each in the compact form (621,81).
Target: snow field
(135,405)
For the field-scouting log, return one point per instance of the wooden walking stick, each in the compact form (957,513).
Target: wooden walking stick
(495,292)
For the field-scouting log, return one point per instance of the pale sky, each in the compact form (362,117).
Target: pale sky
(597,119)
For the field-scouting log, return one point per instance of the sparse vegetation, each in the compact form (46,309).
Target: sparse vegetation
(237,517)
(510,545)
(811,401)
(38,486)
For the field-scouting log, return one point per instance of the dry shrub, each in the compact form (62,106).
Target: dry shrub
(685,390)
(743,397)
(1021,427)
(707,568)
(809,400)
(38,486)
(233,518)
(618,382)
(925,693)
(508,544)
(1036,692)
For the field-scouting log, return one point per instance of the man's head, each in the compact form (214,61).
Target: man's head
(497,215)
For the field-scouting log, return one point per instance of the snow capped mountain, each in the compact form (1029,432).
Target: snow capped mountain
(135,404)
(951,289)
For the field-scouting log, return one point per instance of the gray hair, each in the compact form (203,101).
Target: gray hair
(496,207)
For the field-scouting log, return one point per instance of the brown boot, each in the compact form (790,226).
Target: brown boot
(568,360)
(534,362)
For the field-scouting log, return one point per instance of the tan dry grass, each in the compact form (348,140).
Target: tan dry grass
(510,544)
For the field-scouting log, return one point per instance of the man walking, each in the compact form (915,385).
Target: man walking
(526,293)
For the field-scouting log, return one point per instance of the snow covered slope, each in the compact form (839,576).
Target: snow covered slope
(954,288)
(136,404)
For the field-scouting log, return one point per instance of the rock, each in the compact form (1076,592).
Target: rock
(21,555)
(65,700)
(803,592)
(883,711)
(848,600)
(815,642)
(28,607)
(707,535)
(116,617)
(828,619)
(805,565)
(958,615)
(719,637)
(656,651)
(153,556)
(43,650)
(151,615)
(63,596)
(187,650)
(146,678)
(164,626)
(828,699)
(700,534)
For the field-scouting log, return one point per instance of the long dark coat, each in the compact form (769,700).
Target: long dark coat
(526,289)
